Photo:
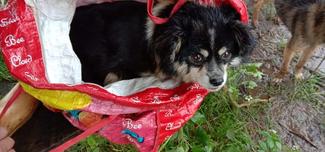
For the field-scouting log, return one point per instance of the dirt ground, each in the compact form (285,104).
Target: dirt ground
(299,123)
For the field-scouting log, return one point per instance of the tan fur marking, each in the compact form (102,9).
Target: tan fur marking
(159,74)
(204,52)
(181,68)
(194,74)
(110,78)
(222,50)
(235,61)
(212,34)
(156,10)
(176,49)
(309,24)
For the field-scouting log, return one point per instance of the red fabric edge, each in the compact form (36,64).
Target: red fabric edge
(83,135)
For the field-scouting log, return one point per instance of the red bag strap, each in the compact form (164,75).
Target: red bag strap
(159,20)
(239,5)
(84,135)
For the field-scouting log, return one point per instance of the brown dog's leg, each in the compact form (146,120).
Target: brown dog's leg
(258,4)
(288,54)
(306,54)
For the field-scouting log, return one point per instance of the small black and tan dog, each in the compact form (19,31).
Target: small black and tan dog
(305,19)
(116,41)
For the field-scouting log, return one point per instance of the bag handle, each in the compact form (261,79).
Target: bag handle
(238,5)
(84,135)
(159,20)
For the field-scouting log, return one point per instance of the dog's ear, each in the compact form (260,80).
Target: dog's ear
(243,37)
(229,12)
(166,49)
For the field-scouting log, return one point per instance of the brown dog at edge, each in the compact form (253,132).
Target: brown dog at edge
(294,14)
(305,19)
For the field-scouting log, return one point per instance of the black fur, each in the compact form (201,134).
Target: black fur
(111,38)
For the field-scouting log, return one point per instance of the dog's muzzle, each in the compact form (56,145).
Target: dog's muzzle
(216,81)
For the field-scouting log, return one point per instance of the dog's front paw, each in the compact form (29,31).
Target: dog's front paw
(277,80)
(299,76)
(279,77)
(276,20)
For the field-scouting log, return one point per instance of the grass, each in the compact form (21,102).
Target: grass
(308,90)
(4,73)
(269,11)
(282,44)
(219,126)
(96,143)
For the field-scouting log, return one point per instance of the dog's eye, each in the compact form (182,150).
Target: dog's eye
(226,55)
(197,58)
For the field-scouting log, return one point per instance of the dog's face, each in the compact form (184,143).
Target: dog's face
(198,44)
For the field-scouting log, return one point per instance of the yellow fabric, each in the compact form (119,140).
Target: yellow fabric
(59,99)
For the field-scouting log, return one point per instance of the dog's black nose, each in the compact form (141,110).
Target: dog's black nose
(216,82)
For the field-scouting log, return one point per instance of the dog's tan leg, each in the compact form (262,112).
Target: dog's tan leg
(288,54)
(258,4)
(306,54)
(19,112)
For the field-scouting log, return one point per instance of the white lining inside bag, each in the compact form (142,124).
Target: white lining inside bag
(53,18)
